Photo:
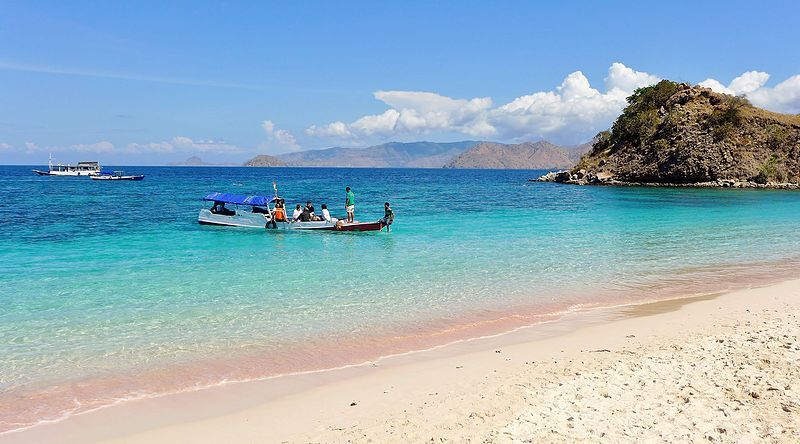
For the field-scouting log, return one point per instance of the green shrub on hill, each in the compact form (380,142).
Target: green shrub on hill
(640,119)
(725,119)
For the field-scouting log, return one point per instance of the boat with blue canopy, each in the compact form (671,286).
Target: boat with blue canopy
(253,211)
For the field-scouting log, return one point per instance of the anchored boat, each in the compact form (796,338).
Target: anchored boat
(117,175)
(261,212)
(81,169)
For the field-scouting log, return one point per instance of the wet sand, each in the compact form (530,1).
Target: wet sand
(716,368)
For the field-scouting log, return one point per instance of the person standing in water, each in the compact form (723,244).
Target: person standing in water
(350,205)
(388,217)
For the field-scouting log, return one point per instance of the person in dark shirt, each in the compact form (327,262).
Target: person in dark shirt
(310,208)
(388,216)
(219,208)
(306,215)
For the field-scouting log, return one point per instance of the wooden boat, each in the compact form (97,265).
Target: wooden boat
(117,175)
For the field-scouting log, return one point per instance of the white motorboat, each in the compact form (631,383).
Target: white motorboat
(81,169)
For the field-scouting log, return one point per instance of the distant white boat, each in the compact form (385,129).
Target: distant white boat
(81,169)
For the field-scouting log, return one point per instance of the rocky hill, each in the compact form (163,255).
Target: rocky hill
(675,133)
(528,155)
(263,160)
(392,154)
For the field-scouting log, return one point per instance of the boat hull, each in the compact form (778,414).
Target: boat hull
(244,219)
(66,173)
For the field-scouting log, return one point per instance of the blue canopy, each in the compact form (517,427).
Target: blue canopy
(238,199)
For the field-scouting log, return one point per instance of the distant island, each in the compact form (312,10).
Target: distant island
(196,161)
(263,160)
(678,134)
(464,154)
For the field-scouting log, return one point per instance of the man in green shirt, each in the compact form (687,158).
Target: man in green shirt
(350,205)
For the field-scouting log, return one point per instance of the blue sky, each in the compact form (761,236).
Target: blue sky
(154,82)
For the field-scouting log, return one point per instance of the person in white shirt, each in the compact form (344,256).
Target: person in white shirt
(297,212)
(325,214)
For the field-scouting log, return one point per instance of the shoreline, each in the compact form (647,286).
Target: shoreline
(222,371)
(136,419)
(606,179)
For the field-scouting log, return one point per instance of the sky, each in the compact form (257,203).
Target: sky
(144,83)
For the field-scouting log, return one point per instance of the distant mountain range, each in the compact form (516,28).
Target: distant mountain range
(387,155)
(523,156)
(465,154)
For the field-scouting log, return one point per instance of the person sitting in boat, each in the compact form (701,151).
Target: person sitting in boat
(307,215)
(326,216)
(219,208)
(310,209)
(279,214)
(296,214)
(388,216)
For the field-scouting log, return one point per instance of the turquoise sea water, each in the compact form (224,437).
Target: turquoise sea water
(111,290)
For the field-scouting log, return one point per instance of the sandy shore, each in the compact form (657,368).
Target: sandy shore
(722,368)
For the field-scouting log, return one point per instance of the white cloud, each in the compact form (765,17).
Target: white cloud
(783,97)
(716,86)
(749,82)
(5,146)
(282,138)
(625,79)
(415,112)
(153,147)
(334,129)
(744,84)
(573,111)
(183,144)
(177,144)
(99,147)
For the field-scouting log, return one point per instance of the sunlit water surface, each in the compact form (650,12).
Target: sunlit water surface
(111,290)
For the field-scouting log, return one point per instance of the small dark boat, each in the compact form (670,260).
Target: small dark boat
(117,175)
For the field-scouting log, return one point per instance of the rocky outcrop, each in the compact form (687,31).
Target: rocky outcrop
(263,160)
(678,134)
(583,177)
(528,155)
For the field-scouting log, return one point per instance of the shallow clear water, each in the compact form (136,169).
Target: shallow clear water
(104,282)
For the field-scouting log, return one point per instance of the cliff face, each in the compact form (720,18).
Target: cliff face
(677,133)
(528,155)
(263,160)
